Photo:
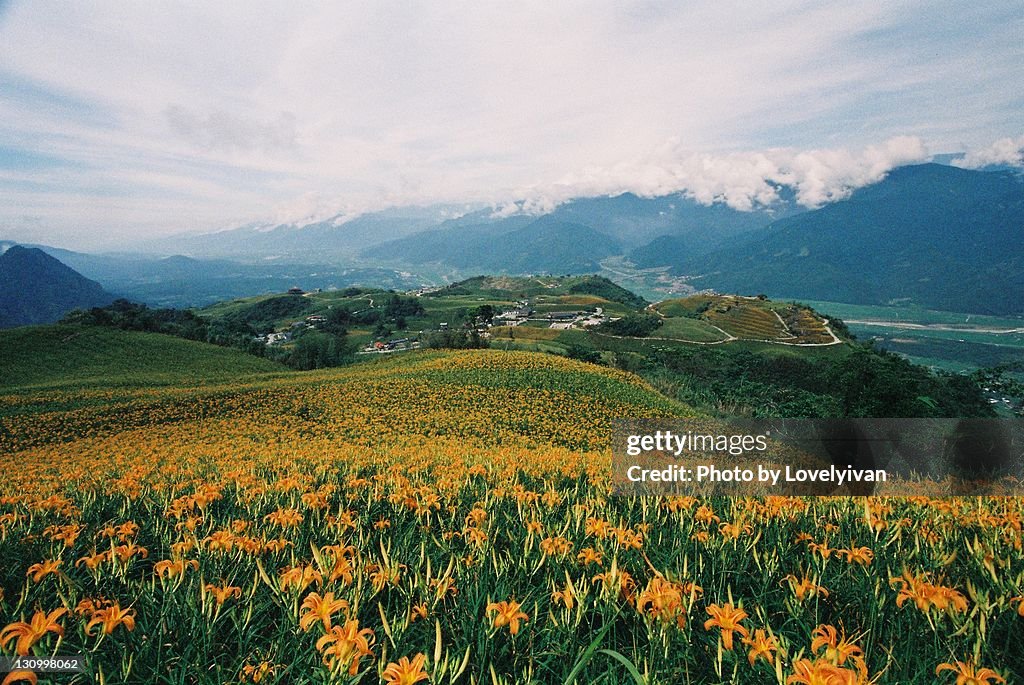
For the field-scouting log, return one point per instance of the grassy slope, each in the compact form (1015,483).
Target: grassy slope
(474,394)
(78,355)
(688,329)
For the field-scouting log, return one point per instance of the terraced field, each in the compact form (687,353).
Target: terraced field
(705,317)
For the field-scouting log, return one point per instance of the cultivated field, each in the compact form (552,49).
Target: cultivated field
(946,340)
(449,514)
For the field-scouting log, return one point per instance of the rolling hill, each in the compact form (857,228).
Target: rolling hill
(68,355)
(36,288)
(929,235)
(477,398)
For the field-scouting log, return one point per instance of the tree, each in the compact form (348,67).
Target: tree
(316,350)
(485,313)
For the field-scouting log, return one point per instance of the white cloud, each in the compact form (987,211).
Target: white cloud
(225,130)
(742,180)
(1004,151)
(366,105)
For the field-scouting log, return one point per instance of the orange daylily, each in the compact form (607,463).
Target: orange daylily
(1020,604)
(928,595)
(804,587)
(968,674)
(20,677)
(663,600)
(110,618)
(91,562)
(727,618)
(589,555)
(255,673)
(345,645)
(418,611)
(299,578)
(821,672)
(174,568)
(857,555)
(28,634)
(222,594)
(761,645)
(508,614)
(838,648)
(406,672)
(565,596)
(127,551)
(43,569)
(320,609)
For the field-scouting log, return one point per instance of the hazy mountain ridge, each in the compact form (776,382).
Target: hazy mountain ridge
(37,288)
(179,281)
(933,235)
(335,236)
(518,244)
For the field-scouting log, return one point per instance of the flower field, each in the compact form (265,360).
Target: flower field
(447,518)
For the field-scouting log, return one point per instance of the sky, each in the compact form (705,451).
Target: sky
(125,121)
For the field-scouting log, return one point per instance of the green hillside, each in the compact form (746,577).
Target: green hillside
(929,236)
(720,353)
(68,355)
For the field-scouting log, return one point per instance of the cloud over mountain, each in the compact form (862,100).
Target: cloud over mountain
(1008,151)
(741,180)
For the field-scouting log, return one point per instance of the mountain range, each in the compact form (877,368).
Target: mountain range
(334,237)
(931,235)
(574,237)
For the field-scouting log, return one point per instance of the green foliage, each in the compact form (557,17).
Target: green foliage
(485,313)
(583,353)
(130,316)
(635,325)
(316,350)
(400,305)
(865,382)
(262,316)
(456,339)
(600,286)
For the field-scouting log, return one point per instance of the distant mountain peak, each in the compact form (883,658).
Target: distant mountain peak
(37,288)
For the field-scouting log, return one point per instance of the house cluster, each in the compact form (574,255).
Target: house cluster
(275,338)
(419,292)
(281,337)
(515,316)
(522,313)
(577,319)
(397,345)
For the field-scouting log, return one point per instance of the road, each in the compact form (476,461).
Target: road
(932,326)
